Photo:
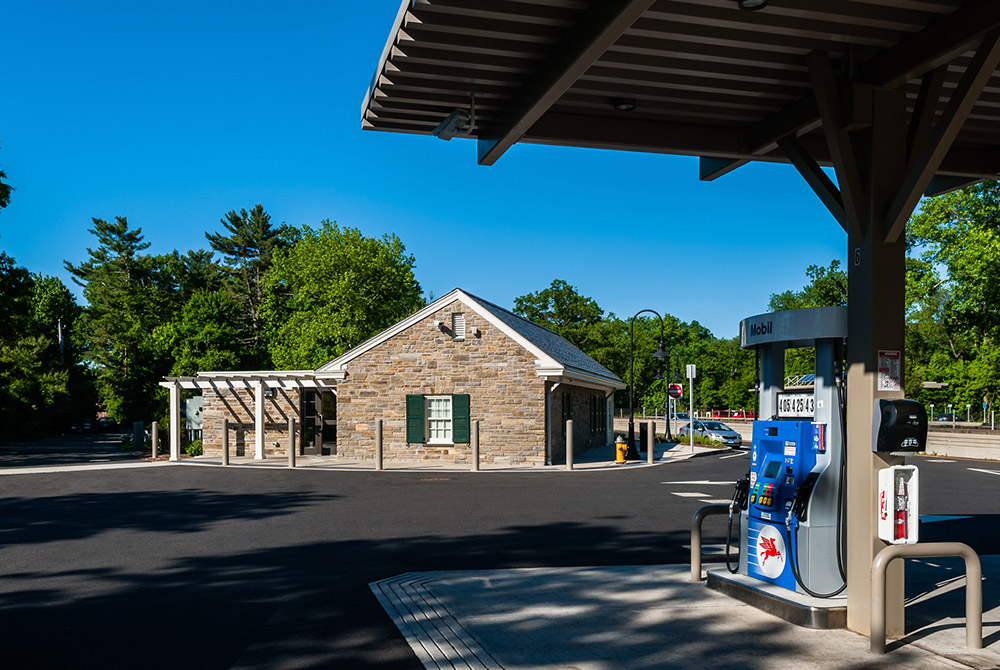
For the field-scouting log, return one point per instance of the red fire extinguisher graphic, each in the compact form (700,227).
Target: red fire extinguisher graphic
(902,503)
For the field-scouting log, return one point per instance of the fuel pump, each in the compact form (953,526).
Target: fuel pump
(791,531)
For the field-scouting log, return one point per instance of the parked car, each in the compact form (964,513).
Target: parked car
(106,424)
(716,431)
(83,426)
(682,416)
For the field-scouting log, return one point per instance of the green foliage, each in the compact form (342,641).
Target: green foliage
(827,287)
(247,253)
(725,372)
(130,297)
(5,190)
(207,336)
(334,289)
(41,390)
(561,308)
(953,297)
(194,448)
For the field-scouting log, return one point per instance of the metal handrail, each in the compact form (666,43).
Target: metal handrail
(973,587)
(696,521)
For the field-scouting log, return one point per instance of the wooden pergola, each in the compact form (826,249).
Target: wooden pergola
(257,382)
(899,97)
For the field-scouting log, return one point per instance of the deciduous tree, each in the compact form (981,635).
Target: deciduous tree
(332,290)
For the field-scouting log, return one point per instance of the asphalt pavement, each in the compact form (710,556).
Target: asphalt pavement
(207,567)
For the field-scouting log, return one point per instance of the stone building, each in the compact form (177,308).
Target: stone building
(429,378)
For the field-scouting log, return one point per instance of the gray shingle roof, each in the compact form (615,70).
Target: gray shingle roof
(558,347)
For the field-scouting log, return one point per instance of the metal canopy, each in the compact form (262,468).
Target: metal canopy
(707,79)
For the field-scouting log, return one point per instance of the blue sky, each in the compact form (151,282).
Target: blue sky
(174,113)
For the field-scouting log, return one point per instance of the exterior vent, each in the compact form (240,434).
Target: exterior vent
(458,325)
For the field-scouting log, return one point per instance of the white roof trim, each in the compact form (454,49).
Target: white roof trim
(339,364)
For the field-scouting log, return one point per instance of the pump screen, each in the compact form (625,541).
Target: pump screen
(772,470)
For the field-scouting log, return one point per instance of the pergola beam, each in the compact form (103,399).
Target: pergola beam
(934,46)
(828,101)
(597,30)
(820,183)
(710,169)
(727,146)
(924,111)
(922,165)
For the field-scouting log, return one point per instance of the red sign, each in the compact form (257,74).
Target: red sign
(675,390)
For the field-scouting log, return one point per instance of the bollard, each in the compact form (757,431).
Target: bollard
(569,444)
(696,521)
(291,441)
(475,445)
(378,444)
(138,436)
(973,588)
(154,430)
(225,441)
(651,442)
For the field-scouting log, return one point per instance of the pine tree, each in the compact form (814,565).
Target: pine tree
(247,253)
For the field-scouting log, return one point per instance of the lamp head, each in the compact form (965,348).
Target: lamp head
(661,353)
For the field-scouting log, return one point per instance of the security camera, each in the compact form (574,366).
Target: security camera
(457,123)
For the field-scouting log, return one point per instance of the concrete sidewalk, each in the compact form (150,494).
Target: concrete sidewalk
(646,617)
(601,458)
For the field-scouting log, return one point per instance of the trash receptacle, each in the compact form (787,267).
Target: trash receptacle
(643,437)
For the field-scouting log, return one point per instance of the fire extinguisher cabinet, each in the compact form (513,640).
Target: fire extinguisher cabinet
(899,504)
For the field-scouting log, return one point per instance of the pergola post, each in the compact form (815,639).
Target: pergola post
(175,421)
(258,419)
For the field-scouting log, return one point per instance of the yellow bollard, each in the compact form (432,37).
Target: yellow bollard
(620,450)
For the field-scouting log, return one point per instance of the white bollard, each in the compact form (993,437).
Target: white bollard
(569,444)
(378,444)
(225,441)
(154,437)
(651,442)
(291,442)
(475,445)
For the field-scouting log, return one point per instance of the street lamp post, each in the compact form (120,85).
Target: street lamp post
(676,375)
(632,454)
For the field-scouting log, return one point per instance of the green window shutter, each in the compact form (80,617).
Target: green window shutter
(414,418)
(460,418)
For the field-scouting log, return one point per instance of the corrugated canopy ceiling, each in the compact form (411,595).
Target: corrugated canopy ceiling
(707,78)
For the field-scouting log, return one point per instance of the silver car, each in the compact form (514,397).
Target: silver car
(716,431)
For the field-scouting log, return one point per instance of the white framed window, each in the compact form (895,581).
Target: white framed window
(439,419)
(458,325)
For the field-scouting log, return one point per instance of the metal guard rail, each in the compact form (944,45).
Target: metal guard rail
(973,587)
(696,520)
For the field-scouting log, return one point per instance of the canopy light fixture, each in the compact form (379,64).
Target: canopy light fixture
(752,5)
(623,104)
(459,123)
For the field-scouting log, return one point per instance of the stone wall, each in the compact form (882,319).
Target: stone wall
(588,429)
(237,405)
(506,395)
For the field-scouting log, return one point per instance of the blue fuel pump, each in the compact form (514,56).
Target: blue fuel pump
(782,459)
(791,502)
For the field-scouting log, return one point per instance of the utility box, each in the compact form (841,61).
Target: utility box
(899,504)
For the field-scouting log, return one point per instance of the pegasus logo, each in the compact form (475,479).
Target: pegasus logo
(768,550)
